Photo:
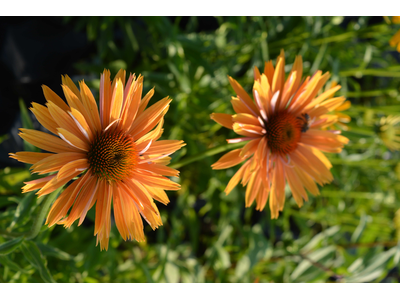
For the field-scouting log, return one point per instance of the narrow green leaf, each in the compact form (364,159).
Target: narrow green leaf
(375,268)
(44,209)
(318,238)
(360,228)
(25,118)
(48,250)
(23,210)
(33,255)
(315,256)
(10,246)
(26,123)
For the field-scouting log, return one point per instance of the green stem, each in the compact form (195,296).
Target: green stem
(44,209)
(301,38)
(209,152)
(372,72)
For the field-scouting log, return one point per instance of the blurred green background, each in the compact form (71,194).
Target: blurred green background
(349,233)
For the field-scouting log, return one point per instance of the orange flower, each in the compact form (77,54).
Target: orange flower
(115,154)
(283,127)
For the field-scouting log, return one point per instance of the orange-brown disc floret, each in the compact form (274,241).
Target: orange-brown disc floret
(283,133)
(112,156)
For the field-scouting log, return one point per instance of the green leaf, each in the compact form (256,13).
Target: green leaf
(360,228)
(375,269)
(25,118)
(10,246)
(259,248)
(35,258)
(171,273)
(48,250)
(3,138)
(5,261)
(41,215)
(23,210)
(315,256)
(26,123)
(318,238)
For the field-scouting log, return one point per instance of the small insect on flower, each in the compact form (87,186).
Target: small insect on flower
(284,128)
(304,119)
(115,153)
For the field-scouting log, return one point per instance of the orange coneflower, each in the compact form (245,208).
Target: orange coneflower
(115,154)
(389,132)
(283,130)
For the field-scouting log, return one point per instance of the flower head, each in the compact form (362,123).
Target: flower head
(114,152)
(389,132)
(283,130)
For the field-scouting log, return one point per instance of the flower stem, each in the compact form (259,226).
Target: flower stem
(207,153)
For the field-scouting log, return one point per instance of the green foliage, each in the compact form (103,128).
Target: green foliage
(349,233)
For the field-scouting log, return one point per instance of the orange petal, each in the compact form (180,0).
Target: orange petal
(84,201)
(149,118)
(157,169)
(81,123)
(239,106)
(246,119)
(55,183)
(45,141)
(121,75)
(250,148)
(164,147)
(64,120)
(139,194)
(36,184)
(131,104)
(157,182)
(44,117)
(269,71)
(243,96)
(72,139)
(222,119)
(90,105)
(116,101)
(252,189)
(236,178)
(65,200)
(55,162)
(105,98)
(29,157)
(296,187)
(158,194)
(248,130)
(72,167)
(103,215)
(145,101)
(66,81)
(230,159)
(279,75)
(53,97)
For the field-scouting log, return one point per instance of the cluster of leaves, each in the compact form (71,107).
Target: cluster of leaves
(349,233)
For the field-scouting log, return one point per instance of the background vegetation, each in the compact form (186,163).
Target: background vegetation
(349,233)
